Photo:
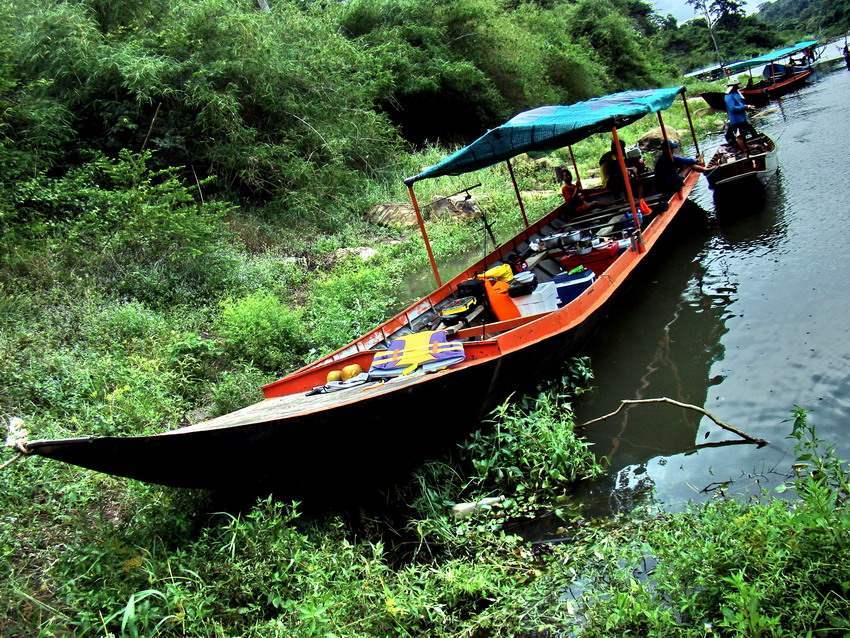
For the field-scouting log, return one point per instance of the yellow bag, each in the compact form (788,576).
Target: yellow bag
(502,272)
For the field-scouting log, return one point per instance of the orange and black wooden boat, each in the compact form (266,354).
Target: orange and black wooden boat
(777,81)
(767,89)
(303,435)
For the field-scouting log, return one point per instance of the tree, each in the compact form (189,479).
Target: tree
(727,12)
(704,7)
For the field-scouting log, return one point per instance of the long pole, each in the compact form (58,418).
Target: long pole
(516,190)
(667,148)
(575,166)
(422,230)
(628,184)
(690,123)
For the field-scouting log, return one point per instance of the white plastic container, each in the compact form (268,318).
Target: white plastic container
(543,299)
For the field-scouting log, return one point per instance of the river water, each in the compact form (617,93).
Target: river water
(746,315)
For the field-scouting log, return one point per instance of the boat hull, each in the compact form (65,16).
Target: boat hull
(776,89)
(742,172)
(370,435)
(716,99)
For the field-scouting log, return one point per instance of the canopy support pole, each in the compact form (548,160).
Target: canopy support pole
(516,190)
(691,124)
(667,150)
(575,166)
(422,230)
(628,184)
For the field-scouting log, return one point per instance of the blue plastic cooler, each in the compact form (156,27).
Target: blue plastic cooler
(571,286)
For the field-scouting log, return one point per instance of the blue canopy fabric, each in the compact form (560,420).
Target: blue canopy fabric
(551,127)
(778,54)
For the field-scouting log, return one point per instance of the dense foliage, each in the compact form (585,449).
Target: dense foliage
(738,36)
(178,184)
(811,17)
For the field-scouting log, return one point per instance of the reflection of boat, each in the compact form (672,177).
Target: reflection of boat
(730,166)
(441,364)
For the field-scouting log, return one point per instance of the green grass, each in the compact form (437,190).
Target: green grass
(128,308)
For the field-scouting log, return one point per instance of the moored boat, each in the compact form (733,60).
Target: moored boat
(433,370)
(716,99)
(775,83)
(731,167)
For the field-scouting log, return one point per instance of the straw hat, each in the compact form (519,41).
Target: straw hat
(732,84)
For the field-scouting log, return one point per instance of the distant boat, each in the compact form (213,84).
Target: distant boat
(730,167)
(716,99)
(774,83)
(457,352)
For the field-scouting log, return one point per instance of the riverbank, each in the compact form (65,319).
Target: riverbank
(141,310)
(101,556)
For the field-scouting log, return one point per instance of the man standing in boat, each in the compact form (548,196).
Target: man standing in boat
(736,110)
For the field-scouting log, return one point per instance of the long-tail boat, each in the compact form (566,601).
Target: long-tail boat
(777,79)
(773,83)
(717,101)
(435,369)
(732,167)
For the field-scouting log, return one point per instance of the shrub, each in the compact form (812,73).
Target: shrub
(238,388)
(531,449)
(259,329)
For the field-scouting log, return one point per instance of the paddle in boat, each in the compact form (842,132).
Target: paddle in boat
(430,373)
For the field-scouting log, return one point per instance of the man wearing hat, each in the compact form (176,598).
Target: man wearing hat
(736,109)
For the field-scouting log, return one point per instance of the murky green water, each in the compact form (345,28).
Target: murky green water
(747,317)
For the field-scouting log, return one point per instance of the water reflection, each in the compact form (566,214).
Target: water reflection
(663,344)
(746,318)
(757,223)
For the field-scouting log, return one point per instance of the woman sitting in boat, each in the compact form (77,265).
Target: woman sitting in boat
(612,176)
(668,179)
(572,193)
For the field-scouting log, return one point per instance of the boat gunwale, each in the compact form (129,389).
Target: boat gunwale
(797,78)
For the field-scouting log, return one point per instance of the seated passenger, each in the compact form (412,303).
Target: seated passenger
(572,193)
(668,180)
(612,176)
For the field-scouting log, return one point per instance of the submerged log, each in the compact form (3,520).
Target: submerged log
(688,406)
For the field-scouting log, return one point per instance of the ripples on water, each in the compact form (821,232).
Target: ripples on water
(747,314)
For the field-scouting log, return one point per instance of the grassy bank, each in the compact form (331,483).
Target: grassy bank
(130,307)
(88,555)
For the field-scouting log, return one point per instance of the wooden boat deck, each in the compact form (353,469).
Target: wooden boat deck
(282,407)
(288,397)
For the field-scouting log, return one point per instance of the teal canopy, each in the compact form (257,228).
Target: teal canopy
(551,127)
(770,57)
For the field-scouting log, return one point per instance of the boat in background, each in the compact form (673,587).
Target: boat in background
(773,84)
(729,167)
(717,99)
(423,378)
(777,79)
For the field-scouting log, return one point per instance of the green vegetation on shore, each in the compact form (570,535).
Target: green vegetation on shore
(817,17)
(178,183)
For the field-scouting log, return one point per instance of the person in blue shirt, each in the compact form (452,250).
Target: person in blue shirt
(667,166)
(736,110)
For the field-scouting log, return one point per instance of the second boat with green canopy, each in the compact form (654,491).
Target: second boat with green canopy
(778,79)
(405,389)
(773,56)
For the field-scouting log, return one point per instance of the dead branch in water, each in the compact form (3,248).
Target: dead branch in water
(688,406)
